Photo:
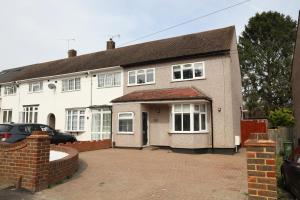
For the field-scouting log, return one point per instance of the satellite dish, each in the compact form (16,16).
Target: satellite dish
(51,86)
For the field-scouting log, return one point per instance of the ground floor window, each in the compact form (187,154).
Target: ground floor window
(75,120)
(189,117)
(30,114)
(6,116)
(125,122)
(101,124)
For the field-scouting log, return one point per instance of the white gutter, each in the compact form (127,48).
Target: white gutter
(63,75)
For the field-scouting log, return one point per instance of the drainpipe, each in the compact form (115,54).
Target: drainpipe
(212,126)
(91,100)
(111,129)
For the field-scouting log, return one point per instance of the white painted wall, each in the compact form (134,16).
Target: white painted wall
(55,101)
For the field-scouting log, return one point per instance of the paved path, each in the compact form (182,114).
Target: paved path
(118,174)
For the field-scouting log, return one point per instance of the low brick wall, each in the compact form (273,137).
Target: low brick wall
(89,145)
(26,163)
(261,165)
(64,167)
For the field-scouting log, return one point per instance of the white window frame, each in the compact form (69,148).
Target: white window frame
(193,68)
(132,118)
(8,118)
(65,84)
(113,84)
(191,112)
(30,110)
(136,74)
(78,120)
(8,88)
(39,85)
(103,134)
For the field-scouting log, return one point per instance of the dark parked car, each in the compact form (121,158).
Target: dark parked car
(11,133)
(290,172)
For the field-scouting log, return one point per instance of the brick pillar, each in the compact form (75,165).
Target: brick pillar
(261,165)
(38,151)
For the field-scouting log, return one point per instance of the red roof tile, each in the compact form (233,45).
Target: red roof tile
(162,95)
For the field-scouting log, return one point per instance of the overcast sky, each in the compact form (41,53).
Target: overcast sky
(32,31)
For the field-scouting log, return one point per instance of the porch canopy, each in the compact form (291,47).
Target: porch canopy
(168,94)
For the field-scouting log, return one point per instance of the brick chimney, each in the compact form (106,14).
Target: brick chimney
(110,44)
(72,53)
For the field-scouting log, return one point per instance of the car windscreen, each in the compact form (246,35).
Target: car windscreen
(5,128)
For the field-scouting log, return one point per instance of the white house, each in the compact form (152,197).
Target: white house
(76,102)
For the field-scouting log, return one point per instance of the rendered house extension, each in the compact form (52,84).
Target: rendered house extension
(181,92)
(184,93)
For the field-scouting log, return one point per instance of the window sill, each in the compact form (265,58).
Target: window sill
(9,95)
(143,84)
(109,87)
(81,131)
(188,133)
(69,91)
(193,79)
(124,133)
(35,92)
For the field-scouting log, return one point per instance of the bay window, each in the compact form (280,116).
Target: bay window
(189,118)
(101,124)
(75,120)
(188,71)
(125,122)
(142,76)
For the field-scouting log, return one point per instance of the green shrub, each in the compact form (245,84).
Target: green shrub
(282,117)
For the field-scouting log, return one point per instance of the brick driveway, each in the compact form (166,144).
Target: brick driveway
(119,174)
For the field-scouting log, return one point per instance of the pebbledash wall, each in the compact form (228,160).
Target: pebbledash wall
(26,164)
(54,101)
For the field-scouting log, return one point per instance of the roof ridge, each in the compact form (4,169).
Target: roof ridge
(179,36)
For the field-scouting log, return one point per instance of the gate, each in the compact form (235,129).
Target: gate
(252,126)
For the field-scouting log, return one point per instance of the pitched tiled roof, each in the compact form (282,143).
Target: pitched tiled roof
(209,42)
(186,93)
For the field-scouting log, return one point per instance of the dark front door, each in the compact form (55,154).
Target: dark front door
(145,127)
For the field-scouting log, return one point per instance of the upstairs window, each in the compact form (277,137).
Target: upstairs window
(142,76)
(10,89)
(188,71)
(71,84)
(36,87)
(109,80)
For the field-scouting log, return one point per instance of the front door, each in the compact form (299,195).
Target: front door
(145,127)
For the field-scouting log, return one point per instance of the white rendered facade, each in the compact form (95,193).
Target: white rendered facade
(51,104)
